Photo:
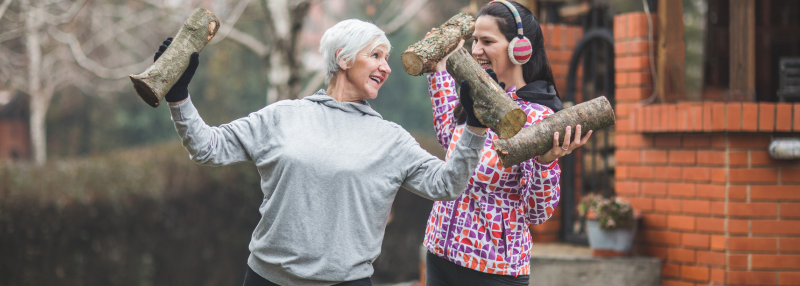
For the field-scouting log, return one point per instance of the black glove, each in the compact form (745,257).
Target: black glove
(467,104)
(179,91)
(494,77)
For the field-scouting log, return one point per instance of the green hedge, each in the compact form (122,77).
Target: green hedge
(143,217)
(150,216)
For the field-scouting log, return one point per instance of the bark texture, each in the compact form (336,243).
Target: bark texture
(422,56)
(492,106)
(537,139)
(155,82)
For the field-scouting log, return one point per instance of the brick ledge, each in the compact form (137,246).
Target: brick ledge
(716,117)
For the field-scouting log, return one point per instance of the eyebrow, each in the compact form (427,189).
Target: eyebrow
(485,37)
(379,50)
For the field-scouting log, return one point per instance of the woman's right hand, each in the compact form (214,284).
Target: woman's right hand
(442,64)
(178,93)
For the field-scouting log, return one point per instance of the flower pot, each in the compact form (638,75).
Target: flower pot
(609,243)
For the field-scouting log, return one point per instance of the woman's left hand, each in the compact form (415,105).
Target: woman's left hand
(567,148)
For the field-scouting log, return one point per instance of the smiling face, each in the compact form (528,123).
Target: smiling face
(490,47)
(369,72)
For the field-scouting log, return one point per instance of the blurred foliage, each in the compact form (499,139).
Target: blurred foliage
(147,216)
(230,83)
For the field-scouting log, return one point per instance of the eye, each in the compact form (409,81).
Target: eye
(375,55)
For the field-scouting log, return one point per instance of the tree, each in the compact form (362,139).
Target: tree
(89,44)
(95,44)
(285,21)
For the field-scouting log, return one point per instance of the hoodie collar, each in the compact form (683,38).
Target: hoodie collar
(353,107)
(540,92)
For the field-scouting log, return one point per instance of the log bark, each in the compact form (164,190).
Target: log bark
(492,106)
(422,56)
(156,81)
(537,139)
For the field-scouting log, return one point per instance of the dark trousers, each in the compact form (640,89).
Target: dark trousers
(441,272)
(253,279)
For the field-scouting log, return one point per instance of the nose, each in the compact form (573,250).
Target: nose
(384,67)
(476,49)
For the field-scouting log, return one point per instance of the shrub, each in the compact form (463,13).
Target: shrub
(611,213)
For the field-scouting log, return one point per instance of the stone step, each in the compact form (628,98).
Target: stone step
(557,264)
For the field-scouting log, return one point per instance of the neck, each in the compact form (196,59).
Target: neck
(341,90)
(512,77)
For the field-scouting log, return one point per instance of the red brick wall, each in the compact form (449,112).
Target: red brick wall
(716,208)
(559,41)
(14,138)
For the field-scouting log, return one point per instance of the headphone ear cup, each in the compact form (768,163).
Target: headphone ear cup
(520,50)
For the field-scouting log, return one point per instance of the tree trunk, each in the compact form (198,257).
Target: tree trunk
(156,81)
(537,139)
(492,106)
(422,56)
(284,64)
(38,103)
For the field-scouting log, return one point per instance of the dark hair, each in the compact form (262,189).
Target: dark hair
(538,67)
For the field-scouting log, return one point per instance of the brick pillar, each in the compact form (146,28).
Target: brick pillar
(559,42)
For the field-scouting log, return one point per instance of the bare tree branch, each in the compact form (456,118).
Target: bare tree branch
(114,29)
(405,16)
(10,35)
(89,64)
(313,84)
(66,17)
(249,41)
(279,14)
(391,11)
(230,22)
(3,7)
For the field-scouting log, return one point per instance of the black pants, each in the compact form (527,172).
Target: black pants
(253,279)
(441,272)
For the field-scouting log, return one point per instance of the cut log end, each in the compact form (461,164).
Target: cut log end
(144,91)
(511,123)
(212,30)
(412,63)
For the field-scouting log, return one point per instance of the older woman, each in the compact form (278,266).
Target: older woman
(330,165)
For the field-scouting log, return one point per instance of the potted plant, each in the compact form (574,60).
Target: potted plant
(610,224)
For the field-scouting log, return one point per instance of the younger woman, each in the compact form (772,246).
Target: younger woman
(482,237)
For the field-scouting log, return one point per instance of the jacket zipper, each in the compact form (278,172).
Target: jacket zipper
(447,241)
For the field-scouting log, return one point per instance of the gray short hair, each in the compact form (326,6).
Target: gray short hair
(351,36)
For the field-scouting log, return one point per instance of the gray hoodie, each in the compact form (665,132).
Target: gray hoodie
(329,172)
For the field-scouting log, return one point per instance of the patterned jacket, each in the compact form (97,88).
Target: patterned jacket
(486,228)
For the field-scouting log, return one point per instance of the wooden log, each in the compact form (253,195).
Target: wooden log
(492,106)
(154,83)
(537,139)
(422,56)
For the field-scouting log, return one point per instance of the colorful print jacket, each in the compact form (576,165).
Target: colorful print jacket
(486,228)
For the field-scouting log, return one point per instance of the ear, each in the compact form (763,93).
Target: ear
(342,63)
